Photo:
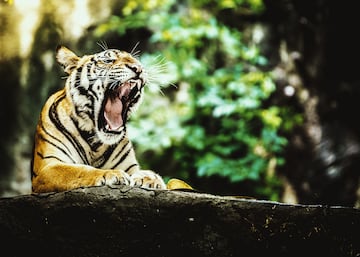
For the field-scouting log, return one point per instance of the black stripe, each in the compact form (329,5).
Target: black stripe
(56,146)
(132,165)
(87,136)
(122,158)
(50,157)
(95,145)
(100,162)
(53,115)
(122,148)
(54,138)
(90,97)
(93,93)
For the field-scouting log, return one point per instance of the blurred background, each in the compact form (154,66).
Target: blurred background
(255,98)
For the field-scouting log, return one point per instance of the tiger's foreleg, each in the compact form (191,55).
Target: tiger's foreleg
(62,176)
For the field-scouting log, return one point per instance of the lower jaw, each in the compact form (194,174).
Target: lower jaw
(116,131)
(111,138)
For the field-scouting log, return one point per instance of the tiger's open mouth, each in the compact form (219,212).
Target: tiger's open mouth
(118,101)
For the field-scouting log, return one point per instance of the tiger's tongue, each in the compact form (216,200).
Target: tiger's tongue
(114,108)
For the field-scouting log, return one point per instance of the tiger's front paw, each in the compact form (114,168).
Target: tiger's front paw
(148,179)
(113,177)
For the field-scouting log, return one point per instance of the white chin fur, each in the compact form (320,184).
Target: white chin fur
(111,138)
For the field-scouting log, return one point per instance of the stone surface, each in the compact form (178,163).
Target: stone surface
(125,221)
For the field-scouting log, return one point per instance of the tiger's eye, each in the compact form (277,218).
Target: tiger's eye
(108,61)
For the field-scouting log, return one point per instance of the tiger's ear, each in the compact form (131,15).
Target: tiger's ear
(66,58)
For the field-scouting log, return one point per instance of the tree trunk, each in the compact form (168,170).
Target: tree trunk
(316,49)
(125,221)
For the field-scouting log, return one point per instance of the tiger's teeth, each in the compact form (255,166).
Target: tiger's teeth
(107,127)
(132,84)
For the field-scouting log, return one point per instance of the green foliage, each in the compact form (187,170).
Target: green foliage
(217,121)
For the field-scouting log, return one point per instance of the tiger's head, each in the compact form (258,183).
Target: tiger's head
(104,88)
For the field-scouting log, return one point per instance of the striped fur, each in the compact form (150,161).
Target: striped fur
(81,137)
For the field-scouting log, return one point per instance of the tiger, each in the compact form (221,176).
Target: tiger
(81,137)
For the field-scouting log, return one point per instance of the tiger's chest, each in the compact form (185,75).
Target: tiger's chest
(105,156)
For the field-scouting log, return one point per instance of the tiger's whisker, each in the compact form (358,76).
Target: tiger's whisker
(103,45)
(133,52)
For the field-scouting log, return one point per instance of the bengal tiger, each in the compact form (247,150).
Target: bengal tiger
(81,137)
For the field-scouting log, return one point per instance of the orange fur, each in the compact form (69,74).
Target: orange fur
(72,147)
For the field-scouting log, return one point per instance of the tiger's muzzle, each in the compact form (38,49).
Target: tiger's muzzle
(119,99)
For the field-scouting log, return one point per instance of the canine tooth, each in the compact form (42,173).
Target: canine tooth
(133,84)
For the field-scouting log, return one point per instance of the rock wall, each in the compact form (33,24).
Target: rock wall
(125,221)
